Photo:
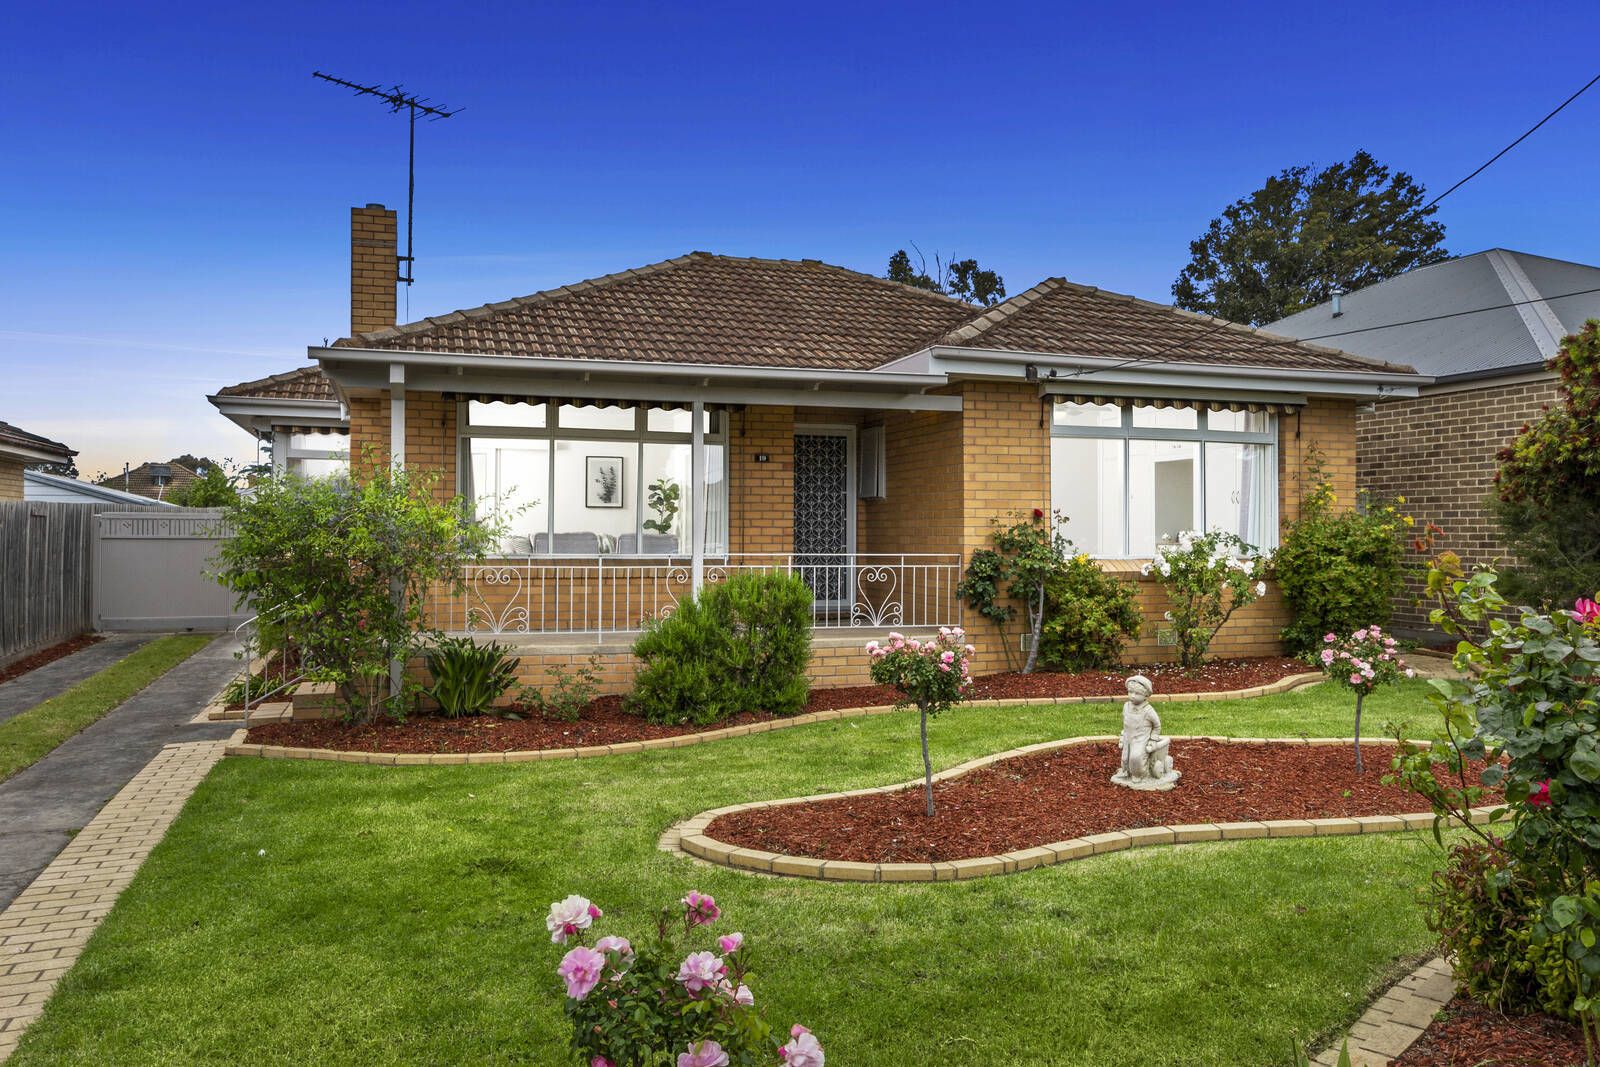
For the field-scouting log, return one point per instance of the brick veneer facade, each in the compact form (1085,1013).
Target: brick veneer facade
(1438,451)
(373,238)
(10,479)
(948,475)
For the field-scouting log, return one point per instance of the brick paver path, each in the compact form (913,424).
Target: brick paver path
(45,928)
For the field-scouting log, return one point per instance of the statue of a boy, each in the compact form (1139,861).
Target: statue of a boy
(1146,760)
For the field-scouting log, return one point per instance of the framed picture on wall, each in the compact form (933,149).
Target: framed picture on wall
(605,482)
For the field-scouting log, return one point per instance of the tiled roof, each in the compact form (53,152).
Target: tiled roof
(704,308)
(700,308)
(141,480)
(302,383)
(16,435)
(1059,316)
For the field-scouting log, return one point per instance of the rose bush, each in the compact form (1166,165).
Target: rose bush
(1207,578)
(932,675)
(1361,662)
(656,1006)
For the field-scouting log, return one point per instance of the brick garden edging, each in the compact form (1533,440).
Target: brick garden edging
(238,744)
(689,837)
(1396,1019)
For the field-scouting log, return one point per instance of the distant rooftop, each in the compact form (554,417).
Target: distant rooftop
(1484,343)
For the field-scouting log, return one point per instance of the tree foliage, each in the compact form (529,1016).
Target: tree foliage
(1547,491)
(1307,231)
(69,469)
(960,278)
(218,487)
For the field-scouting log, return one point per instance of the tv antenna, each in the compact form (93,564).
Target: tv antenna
(399,100)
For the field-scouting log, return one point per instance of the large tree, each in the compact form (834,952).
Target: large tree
(961,278)
(1290,243)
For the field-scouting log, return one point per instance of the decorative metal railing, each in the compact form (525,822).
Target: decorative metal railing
(619,594)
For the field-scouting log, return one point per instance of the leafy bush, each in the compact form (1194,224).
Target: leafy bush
(1361,663)
(1027,551)
(932,675)
(1528,707)
(651,1004)
(468,677)
(569,693)
(1339,570)
(1088,614)
(1207,577)
(347,568)
(1547,490)
(216,487)
(742,645)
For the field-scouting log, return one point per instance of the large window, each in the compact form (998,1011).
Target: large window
(571,480)
(1132,479)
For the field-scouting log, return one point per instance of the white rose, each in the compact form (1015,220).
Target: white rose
(1261,589)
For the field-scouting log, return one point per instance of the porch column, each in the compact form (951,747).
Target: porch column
(280,451)
(697,464)
(397,414)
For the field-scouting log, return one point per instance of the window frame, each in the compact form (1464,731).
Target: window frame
(552,432)
(1202,434)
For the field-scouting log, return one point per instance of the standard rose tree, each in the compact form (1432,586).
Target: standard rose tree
(629,1005)
(1361,663)
(933,675)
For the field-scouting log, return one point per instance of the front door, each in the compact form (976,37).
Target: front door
(823,522)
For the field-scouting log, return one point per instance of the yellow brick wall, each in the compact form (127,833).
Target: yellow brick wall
(1323,426)
(921,510)
(10,479)
(373,268)
(761,494)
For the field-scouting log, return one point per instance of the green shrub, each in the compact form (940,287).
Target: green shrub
(742,645)
(468,677)
(569,693)
(1088,614)
(1028,549)
(1207,577)
(1339,570)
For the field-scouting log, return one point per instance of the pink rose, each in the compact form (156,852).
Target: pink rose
(612,943)
(700,970)
(947,656)
(1329,639)
(743,996)
(601,1061)
(1586,610)
(1539,795)
(568,917)
(802,1049)
(1355,679)
(1327,656)
(1410,673)
(703,1054)
(729,943)
(701,908)
(945,667)
(580,969)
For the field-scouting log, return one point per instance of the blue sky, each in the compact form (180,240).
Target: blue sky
(176,186)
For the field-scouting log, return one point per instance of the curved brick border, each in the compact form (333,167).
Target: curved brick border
(239,746)
(689,837)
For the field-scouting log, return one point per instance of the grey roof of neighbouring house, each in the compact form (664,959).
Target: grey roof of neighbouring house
(1480,344)
(37,485)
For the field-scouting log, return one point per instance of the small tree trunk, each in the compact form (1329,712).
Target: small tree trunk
(1359,698)
(927,764)
(1036,625)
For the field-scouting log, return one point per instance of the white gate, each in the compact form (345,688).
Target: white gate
(150,571)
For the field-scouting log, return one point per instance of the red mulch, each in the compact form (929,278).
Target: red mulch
(603,722)
(38,659)
(1471,1034)
(1032,800)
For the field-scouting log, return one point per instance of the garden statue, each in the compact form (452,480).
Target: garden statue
(1146,756)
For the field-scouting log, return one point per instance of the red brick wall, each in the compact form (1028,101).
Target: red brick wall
(1438,452)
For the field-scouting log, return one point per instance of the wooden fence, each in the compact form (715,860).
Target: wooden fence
(46,573)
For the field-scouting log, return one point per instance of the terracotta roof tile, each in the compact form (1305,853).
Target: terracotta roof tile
(141,480)
(302,383)
(1059,316)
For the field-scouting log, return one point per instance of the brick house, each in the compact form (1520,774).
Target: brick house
(652,430)
(19,450)
(297,414)
(1489,377)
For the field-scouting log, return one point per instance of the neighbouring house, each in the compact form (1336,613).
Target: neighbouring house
(20,449)
(53,488)
(154,481)
(652,430)
(1489,378)
(297,415)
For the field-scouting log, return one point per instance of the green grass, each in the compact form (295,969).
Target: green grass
(332,913)
(30,736)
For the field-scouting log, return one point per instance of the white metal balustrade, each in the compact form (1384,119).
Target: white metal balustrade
(604,594)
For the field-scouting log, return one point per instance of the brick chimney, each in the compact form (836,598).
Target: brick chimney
(373,268)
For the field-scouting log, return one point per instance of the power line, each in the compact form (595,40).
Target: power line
(1513,144)
(1448,315)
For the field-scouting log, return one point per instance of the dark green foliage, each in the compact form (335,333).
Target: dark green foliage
(1287,245)
(1548,486)
(742,645)
(1088,614)
(1339,570)
(962,278)
(1028,549)
(468,677)
(215,488)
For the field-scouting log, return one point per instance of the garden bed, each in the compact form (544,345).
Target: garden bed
(604,722)
(1027,801)
(1468,1033)
(35,660)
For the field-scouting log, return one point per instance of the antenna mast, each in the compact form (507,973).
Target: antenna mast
(400,100)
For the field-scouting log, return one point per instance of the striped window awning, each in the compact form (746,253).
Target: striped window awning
(1271,408)
(585,402)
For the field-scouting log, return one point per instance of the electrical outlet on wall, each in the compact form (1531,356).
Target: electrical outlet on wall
(1166,637)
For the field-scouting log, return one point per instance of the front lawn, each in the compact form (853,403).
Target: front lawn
(331,913)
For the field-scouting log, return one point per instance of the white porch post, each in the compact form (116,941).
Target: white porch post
(697,463)
(280,451)
(397,414)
